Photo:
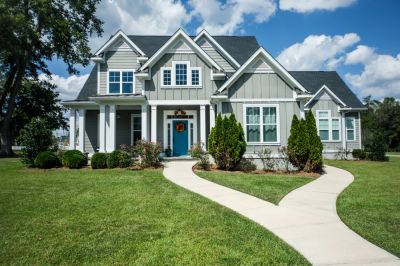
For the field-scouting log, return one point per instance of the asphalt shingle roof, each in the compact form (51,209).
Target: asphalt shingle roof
(314,80)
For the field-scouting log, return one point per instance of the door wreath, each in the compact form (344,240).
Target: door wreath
(180,127)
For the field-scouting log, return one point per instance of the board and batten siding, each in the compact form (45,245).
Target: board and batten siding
(154,91)
(215,55)
(124,59)
(260,86)
(123,127)
(91,131)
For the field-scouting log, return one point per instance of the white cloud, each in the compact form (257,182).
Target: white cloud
(305,6)
(317,52)
(227,18)
(67,87)
(380,76)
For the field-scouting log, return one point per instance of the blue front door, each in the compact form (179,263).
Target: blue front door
(180,137)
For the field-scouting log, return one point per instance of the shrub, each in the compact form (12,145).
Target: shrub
(125,160)
(247,165)
(196,151)
(284,158)
(113,159)
(315,160)
(376,147)
(47,159)
(226,142)
(99,160)
(35,137)
(341,153)
(292,141)
(359,154)
(149,153)
(266,159)
(74,159)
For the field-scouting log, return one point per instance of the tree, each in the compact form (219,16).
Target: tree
(292,141)
(37,31)
(315,160)
(376,146)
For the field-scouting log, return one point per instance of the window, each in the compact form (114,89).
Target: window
(120,81)
(350,128)
(328,127)
(167,77)
(136,128)
(195,77)
(261,124)
(181,74)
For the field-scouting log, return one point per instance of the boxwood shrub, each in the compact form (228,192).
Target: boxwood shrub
(74,159)
(99,160)
(113,159)
(46,160)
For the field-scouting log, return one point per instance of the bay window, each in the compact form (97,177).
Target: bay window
(121,81)
(328,127)
(261,124)
(350,128)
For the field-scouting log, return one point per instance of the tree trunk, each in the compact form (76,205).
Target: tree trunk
(6,140)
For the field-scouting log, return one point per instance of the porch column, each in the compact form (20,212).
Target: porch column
(203,126)
(343,116)
(82,130)
(110,142)
(102,128)
(302,113)
(212,116)
(144,121)
(154,123)
(72,129)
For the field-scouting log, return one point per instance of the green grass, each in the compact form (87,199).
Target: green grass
(270,187)
(119,216)
(371,204)
(393,153)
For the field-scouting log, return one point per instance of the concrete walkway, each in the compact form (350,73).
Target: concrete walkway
(306,218)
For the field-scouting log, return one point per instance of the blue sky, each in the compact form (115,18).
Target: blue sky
(358,38)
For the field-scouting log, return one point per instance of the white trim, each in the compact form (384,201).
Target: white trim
(79,103)
(343,133)
(102,128)
(359,129)
(120,82)
(144,121)
(200,76)
(82,130)
(165,127)
(354,129)
(164,48)
(110,142)
(98,78)
(352,109)
(178,102)
(330,130)
(203,140)
(271,61)
(132,129)
(120,33)
(324,87)
(261,124)
(162,69)
(219,47)
(245,100)
(72,129)
(212,116)
(302,112)
(153,136)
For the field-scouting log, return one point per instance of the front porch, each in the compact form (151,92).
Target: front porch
(104,126)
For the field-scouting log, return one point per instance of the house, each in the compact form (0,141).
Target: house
(169,89)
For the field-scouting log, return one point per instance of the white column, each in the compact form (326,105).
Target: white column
(72,129)
(102,128)
(82,129)
(203,126)
(144,121)
(302,113)
(343,128)
(110,142)
(154,123)
(212,116)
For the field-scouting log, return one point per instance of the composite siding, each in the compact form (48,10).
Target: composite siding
(215,55)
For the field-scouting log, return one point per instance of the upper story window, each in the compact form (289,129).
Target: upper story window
(121,81)
(350,128)
(328,127)
(261,123)
(180,74)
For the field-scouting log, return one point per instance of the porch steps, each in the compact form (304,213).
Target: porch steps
(179,158)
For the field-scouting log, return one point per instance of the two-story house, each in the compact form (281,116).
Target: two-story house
(169,89)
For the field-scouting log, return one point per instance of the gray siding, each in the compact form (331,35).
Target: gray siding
(91,131)
(153,88)
(123,127)
(286,112)
(118,60)
(215,55)
(256,86)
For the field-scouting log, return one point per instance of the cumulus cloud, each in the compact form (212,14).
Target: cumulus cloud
(380,76)
(317,52)
(67,87)
(305,6)
(228,17)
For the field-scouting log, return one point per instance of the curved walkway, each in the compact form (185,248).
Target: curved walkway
(306,218)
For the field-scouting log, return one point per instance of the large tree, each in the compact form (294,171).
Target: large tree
(34,32)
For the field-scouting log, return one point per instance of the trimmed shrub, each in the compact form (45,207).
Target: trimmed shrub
(74,159)
(113,159)
(46,160)
(315,160)
(359,154)
(149,153)
(376,147)
(247,166)
(99,160)
(196,151)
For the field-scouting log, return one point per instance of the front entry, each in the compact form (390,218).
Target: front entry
(180,137)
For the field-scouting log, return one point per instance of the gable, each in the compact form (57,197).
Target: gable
(119,41)
(212,51)
(119,45)
(180,46)
(325,94)
(260,65)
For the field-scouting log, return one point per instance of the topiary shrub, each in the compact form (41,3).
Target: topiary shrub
(99,160)
(113,159)
(359,154)
(315,160)
(74,159)
(46,160)
(247,166)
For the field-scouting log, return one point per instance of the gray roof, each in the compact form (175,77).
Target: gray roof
(314,80)
(89,89)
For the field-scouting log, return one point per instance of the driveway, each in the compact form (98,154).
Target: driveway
(306,218)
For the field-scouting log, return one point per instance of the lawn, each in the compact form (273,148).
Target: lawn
(122,217)
(270,187)
(393,153)
(371,204)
